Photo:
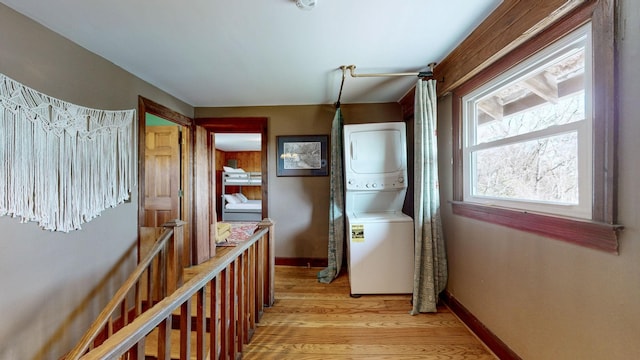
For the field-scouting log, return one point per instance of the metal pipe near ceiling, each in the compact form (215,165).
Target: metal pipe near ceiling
(352,72)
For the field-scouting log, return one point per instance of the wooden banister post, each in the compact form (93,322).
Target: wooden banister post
(174,255)
(269,294)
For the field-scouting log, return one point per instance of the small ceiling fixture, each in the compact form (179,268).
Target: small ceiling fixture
(306,4)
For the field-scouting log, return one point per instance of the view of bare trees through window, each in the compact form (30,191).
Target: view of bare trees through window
(541,170)
(526,136)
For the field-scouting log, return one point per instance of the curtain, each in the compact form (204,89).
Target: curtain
(61,164)
(336,203)
(430,273)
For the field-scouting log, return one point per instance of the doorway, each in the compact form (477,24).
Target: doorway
(241,125)
(164,184)
(240,152)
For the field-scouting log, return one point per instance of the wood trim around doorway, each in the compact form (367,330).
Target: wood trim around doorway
(244,125)
(146,106)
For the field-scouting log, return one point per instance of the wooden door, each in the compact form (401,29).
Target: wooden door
(203,247)
(162,175)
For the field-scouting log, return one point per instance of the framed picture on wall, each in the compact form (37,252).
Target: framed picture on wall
(302,155)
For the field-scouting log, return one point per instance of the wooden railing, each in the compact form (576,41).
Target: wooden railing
(158,273)
(240,282)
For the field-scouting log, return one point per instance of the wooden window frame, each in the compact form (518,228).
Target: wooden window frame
(600,232)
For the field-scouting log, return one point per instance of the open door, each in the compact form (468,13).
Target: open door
(162,175)
(165,172)
(205,247)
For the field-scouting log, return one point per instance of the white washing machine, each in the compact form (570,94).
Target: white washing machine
(380,250)
(380,253)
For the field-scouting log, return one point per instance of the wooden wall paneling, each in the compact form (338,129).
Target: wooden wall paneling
(248,161)
(220,160)
(510,25)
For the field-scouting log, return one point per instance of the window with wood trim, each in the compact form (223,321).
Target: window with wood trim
(527,139)
(534,135)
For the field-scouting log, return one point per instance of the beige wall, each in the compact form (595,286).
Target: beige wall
(53,285)
(544,298)
(300,205)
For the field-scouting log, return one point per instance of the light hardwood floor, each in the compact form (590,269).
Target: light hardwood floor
(310,320)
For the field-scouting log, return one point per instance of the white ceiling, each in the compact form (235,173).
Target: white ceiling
(238,142)
(265,52)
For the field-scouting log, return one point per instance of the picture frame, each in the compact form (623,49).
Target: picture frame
(302,155)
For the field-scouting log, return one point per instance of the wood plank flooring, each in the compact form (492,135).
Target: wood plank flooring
(310,320)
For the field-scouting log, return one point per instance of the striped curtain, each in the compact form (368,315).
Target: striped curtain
(430,273)
(336,203)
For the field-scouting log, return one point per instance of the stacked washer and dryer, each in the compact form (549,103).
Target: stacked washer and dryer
(380,250)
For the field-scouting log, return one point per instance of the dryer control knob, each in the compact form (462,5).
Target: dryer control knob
(374,185)
(351,182)
(400,180)
(368,185)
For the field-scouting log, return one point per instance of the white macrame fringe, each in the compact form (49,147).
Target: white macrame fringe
(61,164)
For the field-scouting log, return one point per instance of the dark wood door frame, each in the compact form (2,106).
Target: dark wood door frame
(244,125)
(146,106)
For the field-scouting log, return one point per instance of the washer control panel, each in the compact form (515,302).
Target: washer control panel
(378,183)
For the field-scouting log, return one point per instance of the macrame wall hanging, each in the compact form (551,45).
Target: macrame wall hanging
(61,164)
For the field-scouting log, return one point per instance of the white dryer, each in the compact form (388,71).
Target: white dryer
(379,236)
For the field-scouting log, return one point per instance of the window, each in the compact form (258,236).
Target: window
(534,134)
(527,141)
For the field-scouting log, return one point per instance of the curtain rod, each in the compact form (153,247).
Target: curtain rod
(352,72)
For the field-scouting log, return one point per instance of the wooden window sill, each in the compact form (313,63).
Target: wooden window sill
(591,234)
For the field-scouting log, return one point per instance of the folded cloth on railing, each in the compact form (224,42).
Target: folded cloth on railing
(224,231)
(223,226)
(222,237)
